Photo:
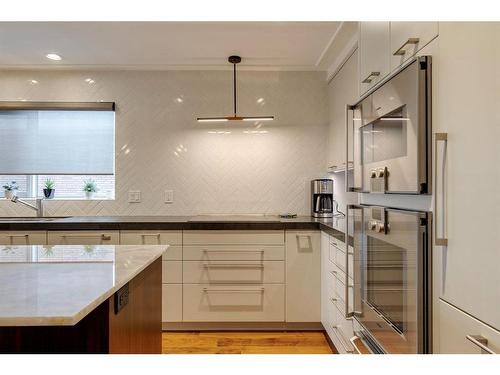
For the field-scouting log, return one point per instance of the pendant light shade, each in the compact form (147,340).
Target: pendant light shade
(234,60)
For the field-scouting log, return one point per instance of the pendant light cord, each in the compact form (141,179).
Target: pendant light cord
(234,88)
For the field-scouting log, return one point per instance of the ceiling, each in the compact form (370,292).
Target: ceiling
(167,45)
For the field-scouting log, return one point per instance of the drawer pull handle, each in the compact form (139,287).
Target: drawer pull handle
(259,290)
(103,237)
(333,300)
(233,251)
(334,273)
(25,236)
(232,265)
(370,77)
(480,341)
(401,51)
(340,337)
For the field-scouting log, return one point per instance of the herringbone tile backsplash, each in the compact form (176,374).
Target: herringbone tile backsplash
(240,168)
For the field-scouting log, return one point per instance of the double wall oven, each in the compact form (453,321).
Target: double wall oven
(391,265)
(389,137)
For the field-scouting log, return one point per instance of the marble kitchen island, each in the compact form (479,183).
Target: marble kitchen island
(80,299)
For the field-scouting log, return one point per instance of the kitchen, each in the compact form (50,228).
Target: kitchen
(200,194)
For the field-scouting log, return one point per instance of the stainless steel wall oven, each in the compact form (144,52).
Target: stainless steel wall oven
(392,278)
(389,134)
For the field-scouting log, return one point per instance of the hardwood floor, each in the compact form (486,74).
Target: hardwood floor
(304,342)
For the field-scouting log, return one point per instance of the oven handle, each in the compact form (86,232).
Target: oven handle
(348,108)
(440,240)
(353,313)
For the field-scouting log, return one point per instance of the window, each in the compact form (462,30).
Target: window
(68,143)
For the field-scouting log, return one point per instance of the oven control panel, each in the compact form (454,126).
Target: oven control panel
(378,180)
(378,220)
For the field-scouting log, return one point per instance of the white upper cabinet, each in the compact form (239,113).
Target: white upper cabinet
(342,90)
(407,38)
(374,53)
(467,214)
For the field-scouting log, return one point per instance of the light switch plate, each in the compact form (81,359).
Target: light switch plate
(169,196)
(134,196)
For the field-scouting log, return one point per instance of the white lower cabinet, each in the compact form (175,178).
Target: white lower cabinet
(171,302)
(460,333)
(233,276)
(233,303)
(171,266)
(173,238)
(23,238)
(83,237)
(236,271)
(333,292)
(303,281)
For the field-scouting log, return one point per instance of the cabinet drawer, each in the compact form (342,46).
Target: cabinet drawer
(148,237)
(341,342)
(455,326)
(84,237)
(172,272)
(172,238)
(234,303)
(330,318)
(345,326)
(340,291)
(340,259)
(171,302)
(234,237)
(23,238)
(234,272)
(234,252)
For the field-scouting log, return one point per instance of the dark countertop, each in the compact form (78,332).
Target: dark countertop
(336,226)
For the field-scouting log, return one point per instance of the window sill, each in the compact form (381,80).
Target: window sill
(63,199)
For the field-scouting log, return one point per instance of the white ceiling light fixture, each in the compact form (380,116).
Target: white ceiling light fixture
(235,60)
(53,56)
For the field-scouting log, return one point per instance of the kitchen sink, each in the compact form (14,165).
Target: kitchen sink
(32,218)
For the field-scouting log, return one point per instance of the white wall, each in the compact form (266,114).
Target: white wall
(233,168)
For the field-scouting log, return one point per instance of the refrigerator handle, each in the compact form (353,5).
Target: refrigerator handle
(440,204)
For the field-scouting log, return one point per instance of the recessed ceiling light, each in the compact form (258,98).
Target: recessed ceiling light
(53,56)
(89,81)
(33,81)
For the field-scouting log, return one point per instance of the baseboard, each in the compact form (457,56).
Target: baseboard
(242,326)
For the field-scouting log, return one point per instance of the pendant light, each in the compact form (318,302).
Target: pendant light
(234,60)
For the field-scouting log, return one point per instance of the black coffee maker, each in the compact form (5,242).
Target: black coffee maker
(322,198)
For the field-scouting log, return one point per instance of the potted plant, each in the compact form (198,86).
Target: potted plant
(49,189)
(89,187)
(10,188)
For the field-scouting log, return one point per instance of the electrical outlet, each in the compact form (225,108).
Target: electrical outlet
(169,196)
(134,196)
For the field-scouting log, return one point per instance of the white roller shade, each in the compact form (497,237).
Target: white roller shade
(57,142)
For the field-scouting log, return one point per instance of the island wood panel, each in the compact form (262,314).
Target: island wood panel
(135,329)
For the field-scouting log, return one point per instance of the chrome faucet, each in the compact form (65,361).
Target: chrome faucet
(38,208)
